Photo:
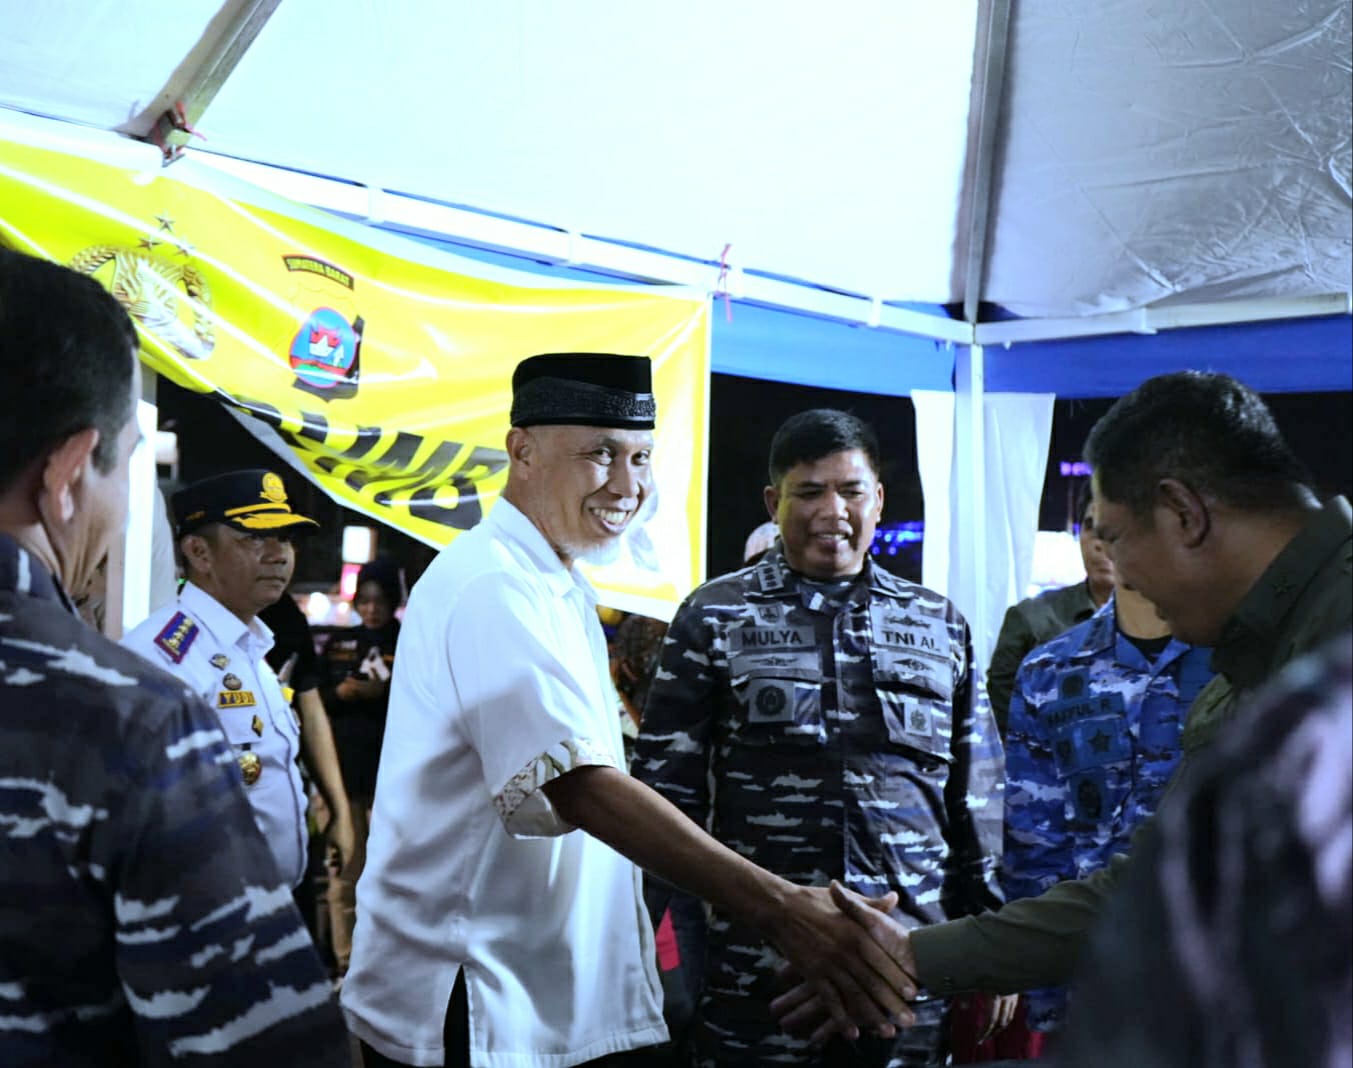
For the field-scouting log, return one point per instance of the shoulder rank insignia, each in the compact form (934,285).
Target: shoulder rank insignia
(234,699)
(768,576)
(177,637)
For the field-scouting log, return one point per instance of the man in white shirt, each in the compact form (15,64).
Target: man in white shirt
(487,933)
(234,532)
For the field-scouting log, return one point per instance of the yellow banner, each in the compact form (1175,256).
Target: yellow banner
(384,366)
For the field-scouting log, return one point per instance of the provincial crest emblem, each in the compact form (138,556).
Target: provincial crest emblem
(326,354)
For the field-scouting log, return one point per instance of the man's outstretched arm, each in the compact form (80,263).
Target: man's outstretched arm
(1028,943)
(857,981)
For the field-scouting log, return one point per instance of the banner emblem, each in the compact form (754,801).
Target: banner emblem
(326,354)
(150,289)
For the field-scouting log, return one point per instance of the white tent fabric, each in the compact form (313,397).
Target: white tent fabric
(779,128)
(95,63)
(1016,429)
(1147,150)
(1092,165)
(1160,150)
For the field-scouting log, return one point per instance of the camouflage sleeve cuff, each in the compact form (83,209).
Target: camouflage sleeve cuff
(523,807)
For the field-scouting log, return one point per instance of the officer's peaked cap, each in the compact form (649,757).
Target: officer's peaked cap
(254,501)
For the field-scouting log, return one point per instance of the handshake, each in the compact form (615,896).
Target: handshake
(855,971)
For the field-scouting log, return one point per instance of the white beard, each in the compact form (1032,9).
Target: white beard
(634,535)
(601,553)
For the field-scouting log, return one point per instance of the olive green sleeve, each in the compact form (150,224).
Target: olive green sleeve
(1015,640)
(1028,943)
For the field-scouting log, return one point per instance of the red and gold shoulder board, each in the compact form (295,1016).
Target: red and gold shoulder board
(177,637)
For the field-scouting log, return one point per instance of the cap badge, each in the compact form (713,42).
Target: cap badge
(273,489)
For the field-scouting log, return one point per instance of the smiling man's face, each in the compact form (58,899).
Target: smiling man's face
(827,510)
(593,482)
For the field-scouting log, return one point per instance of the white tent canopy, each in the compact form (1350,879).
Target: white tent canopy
(1090,167)
(1141,152)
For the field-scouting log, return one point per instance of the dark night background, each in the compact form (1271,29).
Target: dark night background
(744,414)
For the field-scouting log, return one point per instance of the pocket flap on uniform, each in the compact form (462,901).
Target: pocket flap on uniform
(901,674)
(917,721)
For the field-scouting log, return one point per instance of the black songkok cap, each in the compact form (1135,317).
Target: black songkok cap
(252,501)
(584,389)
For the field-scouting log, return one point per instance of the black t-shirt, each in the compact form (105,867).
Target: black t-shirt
(1148,647)
(292,637)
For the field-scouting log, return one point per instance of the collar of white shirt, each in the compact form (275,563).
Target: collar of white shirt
(513,525)
(255,637)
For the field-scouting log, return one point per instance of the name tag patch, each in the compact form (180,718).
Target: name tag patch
(754,639)
(235,699)
(909,630)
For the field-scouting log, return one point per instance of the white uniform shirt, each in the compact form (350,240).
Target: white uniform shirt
(501,684)
(199,640)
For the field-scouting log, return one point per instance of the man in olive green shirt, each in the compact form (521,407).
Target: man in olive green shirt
(1039,619)
(1208,514)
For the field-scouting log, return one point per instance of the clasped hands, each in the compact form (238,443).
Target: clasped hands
(850,962)
(861,972)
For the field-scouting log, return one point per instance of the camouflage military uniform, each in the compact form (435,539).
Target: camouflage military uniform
(141,916)
(825,734)
(1094,736)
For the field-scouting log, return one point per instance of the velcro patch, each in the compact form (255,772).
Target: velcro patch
(177,637)
(235,699)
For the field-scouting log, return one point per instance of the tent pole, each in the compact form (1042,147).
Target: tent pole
(988,88)
(969,563)
(128,583)
(969,536)
(199,77)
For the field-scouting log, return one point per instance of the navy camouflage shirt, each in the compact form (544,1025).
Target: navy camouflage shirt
(1095,734)
(142,921)
(824,734)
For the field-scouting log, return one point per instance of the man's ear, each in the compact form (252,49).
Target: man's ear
(195,551)
(520,446)
(771,496)
(878,516)
(65,467)
(1189,517)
